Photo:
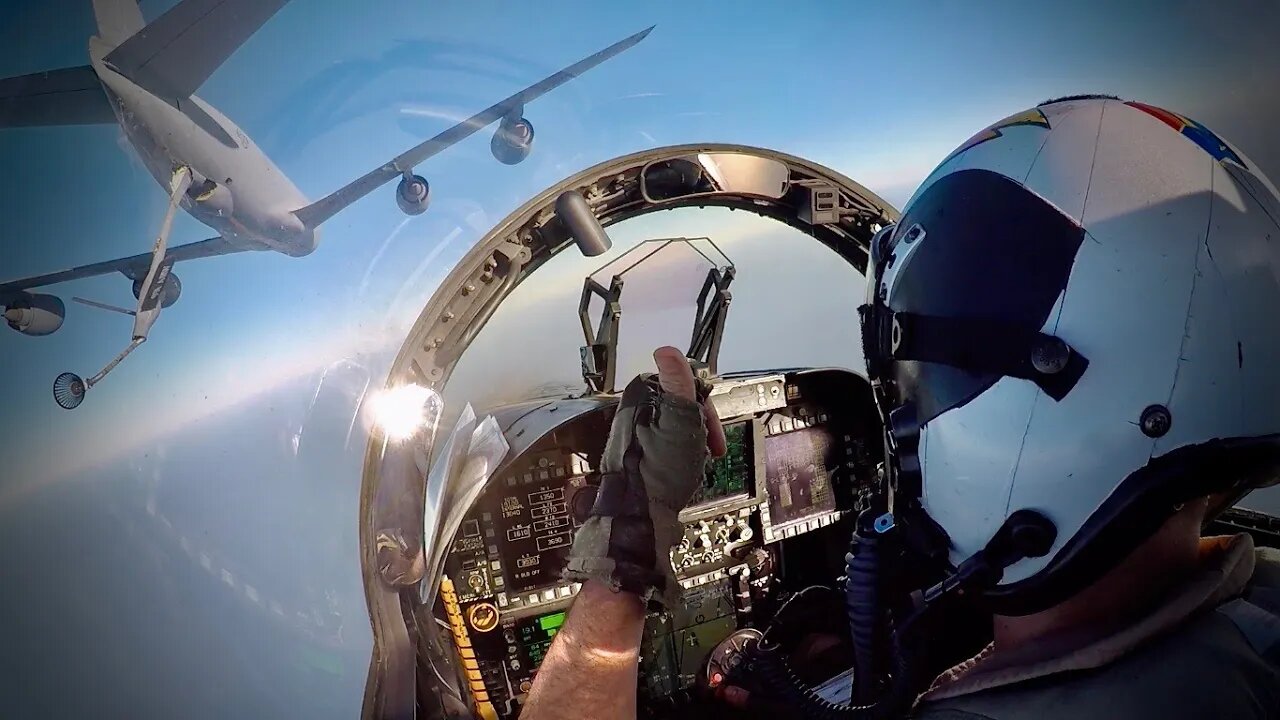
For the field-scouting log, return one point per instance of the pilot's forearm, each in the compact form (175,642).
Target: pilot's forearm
(590,670)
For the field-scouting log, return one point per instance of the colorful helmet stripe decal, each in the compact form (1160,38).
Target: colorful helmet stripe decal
(1194,131)
(1030,117)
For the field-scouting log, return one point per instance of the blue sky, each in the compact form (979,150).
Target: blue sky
(879,94)
(201,419)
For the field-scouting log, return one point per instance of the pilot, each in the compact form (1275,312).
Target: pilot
(1071,325)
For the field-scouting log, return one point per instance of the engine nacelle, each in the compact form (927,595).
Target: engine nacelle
(172,289)
(35,315)
(413,195)
(512,141)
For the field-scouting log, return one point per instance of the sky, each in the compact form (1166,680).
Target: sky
(213,477)
(658,310)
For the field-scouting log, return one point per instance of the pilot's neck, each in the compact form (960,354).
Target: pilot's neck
(1130,589)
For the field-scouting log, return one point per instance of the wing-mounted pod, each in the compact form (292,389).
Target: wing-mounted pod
(169,295)
(413,194)
(513,140)
(35,314)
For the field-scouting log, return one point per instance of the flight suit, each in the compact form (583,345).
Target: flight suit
(1210,650)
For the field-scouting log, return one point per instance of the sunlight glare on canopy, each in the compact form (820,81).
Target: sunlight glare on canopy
(400,412)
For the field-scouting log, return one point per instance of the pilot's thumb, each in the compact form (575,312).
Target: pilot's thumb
(676,377)
(674,373)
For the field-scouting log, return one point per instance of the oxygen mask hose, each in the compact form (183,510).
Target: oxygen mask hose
(875,695)
(866,623)
(862,600)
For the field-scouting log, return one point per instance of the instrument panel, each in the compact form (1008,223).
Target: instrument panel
(796,464)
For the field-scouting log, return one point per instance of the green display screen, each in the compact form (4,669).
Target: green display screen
(730,474)
(551,622)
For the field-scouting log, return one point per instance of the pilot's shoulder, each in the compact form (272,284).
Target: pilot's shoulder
(1266,572)
(1232,681)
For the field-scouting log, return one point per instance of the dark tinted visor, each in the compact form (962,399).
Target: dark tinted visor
(960,290)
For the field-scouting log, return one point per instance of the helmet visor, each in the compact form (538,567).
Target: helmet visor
(961,294)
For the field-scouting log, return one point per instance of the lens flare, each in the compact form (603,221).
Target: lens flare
(400,412)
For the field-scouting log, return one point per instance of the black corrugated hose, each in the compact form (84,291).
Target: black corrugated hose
(862,604)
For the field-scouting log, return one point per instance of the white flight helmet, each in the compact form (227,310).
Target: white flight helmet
(1077,316)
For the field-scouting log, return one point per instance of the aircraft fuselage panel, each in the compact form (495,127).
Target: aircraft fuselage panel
(237,191)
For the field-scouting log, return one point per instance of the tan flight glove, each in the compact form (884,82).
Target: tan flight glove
(653,462)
